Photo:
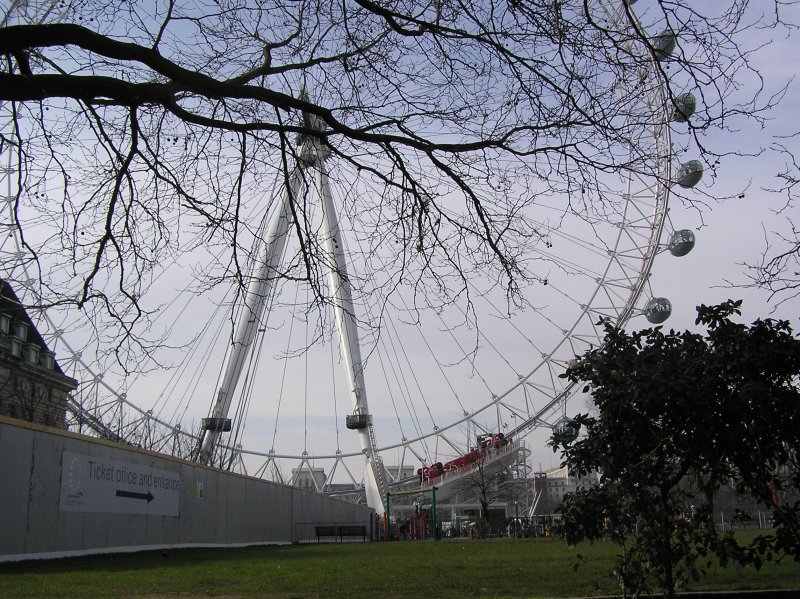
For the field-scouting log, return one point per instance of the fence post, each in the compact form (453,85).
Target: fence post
(433,513)
(387,514)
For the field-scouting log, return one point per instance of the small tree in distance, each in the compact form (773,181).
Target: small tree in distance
(679,415)
(486,485)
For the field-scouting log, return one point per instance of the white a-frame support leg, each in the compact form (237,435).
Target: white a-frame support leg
(251,316)
(255,303)
(345,316)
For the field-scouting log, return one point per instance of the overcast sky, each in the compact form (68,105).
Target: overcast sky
(734,230)
(729,233)
(732,233)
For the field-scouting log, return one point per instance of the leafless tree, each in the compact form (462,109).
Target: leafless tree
(486,483)
(141,130)
(778,270)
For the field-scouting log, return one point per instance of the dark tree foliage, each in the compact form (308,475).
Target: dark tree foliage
(679,415)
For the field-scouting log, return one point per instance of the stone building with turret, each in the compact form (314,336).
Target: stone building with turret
(32,385)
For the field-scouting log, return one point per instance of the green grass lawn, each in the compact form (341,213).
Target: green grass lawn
(499,568)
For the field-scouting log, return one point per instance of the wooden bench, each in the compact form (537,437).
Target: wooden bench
(353,530)
(324,531)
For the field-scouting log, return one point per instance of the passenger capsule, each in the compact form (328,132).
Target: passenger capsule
(683,106)
(562,425)
(566,429)
(689,174)
(664,44)
(657,310)
(681,242)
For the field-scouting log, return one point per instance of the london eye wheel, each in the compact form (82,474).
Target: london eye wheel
(369,386)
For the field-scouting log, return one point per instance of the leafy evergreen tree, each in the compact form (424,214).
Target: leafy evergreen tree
(678,415)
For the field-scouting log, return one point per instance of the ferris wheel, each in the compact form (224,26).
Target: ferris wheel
(437,376)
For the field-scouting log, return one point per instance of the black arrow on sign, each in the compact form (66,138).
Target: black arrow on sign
(132,495)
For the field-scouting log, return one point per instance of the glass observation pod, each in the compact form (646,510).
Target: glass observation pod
(683,107)
(681,242)
(689,174)
(657,310)
(664,44)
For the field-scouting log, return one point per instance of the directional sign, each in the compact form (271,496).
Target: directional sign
(90,484)
(148,497)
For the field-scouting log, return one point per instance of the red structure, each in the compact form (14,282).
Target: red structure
(485,443)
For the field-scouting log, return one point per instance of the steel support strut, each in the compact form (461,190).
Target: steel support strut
(313,153)
(345,316)
(252,313)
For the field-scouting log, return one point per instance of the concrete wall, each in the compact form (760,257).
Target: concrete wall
(66,494)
